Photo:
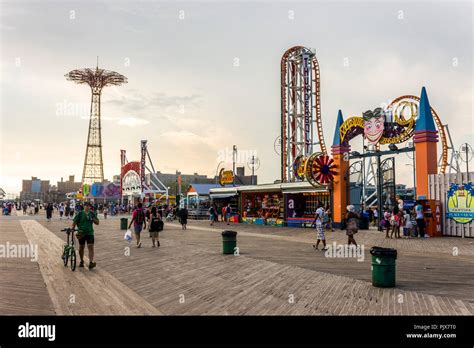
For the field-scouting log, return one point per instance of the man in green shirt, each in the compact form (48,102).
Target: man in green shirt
(84,220)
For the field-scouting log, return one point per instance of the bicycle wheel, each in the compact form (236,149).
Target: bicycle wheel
(65,255)
(73,259)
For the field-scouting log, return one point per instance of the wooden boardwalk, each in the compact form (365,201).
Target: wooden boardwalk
(275,273)
(22,289)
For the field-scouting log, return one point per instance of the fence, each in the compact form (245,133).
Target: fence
(438,187)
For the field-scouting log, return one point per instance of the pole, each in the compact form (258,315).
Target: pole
(234,155)
(467,160)
(253,167)
(379,192)
(414,177)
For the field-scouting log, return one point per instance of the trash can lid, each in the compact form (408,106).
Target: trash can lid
(383,252)
(229,234)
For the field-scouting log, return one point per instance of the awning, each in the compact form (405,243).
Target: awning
(223,195)
(306,191)
(302,187)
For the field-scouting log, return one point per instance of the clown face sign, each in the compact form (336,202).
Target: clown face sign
(373,125)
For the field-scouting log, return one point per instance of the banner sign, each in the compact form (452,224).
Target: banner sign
(460,203)
(307,102)
(226,177)
(99,190)
(142,166)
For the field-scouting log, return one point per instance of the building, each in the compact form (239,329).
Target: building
(2,193)
(171,180)
(405,193)
(34,189)
(68,186)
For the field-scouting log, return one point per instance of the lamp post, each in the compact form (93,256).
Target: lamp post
(410,145)
(234,159)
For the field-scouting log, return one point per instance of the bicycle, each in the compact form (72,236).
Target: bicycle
(69,251)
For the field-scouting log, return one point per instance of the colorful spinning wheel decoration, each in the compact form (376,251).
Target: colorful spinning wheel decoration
(320,169)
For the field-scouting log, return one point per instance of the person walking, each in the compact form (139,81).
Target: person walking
(386,223)
(24,206)
(212,212)
(84,221)
(228,213)
(61,210)
(223,213)
(183,218)
(319,224)
(407,225)
(67,210)
(395,223)
(156,225)
(420,219)
(139,223)
(376,217)
(49,211)
(352,224)
(106,210)
(72,208)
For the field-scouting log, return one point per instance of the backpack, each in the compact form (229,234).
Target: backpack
(140,216)
(156,225)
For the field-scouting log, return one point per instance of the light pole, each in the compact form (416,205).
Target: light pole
(410,145)
(467,149)
(234,159)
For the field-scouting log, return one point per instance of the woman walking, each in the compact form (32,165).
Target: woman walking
(49,211)
(156,225)
(352,223)
(318,223)
(386,223)
(420,219)
(184,218)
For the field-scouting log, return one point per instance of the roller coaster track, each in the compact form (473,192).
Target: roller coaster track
(285,85)
(439,126)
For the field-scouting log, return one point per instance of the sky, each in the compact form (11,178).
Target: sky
(203,76)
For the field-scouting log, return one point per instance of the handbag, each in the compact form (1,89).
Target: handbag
(352,226)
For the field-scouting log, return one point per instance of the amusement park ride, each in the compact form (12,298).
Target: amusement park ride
(134,183)
(97,79)
(407,118)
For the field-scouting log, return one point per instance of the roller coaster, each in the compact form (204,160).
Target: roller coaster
(300,109)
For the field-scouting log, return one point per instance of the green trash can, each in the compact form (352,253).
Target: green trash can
(123,223)
(383,267)
(229,242)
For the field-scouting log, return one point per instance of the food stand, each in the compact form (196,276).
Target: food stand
(301,201)
(198,200)
(262,204)
(222,196)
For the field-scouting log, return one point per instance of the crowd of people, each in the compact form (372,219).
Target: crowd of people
(224,214)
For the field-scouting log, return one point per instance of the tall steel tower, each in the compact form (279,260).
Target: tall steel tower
(97,79)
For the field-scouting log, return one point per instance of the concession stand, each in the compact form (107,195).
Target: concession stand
(262,204)
(301,201)
(222,196)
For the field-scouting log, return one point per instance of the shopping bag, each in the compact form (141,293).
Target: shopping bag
(128,236)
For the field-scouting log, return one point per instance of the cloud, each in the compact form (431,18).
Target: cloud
(158,104)
(132,122)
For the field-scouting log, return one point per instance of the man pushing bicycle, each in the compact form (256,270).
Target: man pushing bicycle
(84,221)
